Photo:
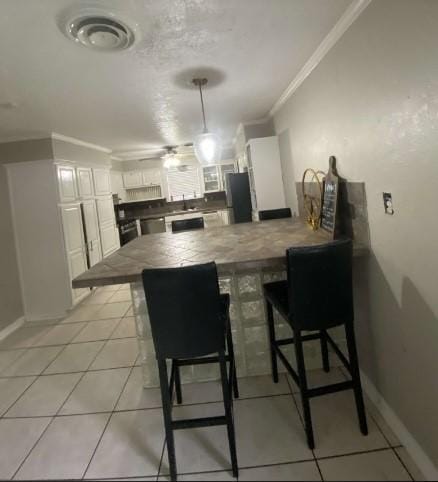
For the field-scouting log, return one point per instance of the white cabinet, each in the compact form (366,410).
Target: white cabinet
(85,182)
(211,178)
(66,183)
(74,244)
(109,237)
(132,179)
(105,210)
(151,177)
(102,182)
(91,223)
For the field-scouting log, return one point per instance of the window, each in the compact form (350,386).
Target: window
(184,181)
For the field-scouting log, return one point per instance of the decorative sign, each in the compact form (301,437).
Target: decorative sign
(330,199)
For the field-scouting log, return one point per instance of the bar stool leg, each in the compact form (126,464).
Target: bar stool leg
(233,373)
(228,413)
(303,388)
(271,326)
(325,352)
(355,374)
(178,388)
(167,414)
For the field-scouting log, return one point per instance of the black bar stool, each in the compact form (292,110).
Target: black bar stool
(187,224)
(317,295)
(190,322)
(275,214)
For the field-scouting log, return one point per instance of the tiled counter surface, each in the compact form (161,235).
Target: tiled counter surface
(247,256)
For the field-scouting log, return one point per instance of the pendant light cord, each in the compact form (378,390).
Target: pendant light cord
(199,83)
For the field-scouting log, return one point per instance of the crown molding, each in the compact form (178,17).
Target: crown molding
(78,142)
(343,24)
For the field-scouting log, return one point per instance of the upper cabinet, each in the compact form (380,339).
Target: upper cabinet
(137,179)
(215,176)
(67,183)
(132,179)
(102,182)
(85,182)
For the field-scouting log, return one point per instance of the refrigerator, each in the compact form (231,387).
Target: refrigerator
(239,198)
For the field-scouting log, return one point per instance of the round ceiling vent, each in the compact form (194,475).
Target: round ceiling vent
(100,32)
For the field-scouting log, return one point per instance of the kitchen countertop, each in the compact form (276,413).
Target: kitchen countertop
(236,247)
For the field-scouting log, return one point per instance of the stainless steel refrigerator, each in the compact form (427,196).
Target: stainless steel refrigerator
(239,198)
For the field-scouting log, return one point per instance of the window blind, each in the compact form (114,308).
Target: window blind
(184,181)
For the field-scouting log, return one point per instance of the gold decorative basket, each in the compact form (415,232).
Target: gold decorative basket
(312,187)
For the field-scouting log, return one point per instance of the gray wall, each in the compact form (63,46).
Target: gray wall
(11,306)
(67,151)
(373,103)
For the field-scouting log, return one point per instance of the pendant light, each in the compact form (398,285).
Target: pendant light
(208,148)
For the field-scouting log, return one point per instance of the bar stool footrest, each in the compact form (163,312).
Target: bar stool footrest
(198,422)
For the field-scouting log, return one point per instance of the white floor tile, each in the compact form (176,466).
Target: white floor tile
(99,298)
(380,421)
(196,393)
(298,471)
(336,427)
(269,431)
(116,354)
(319,378)
(410,464)
(65,449)
(33,362)
(61,334)
(11,389)
(97,330)
(126,328)
(75,358)
(383,465)
(8,357)
(263,386)
(135,397)
(131,446)
(17,437)
(121,295)
(96,392)
(113,310)
(24,337)
(83,313)
(45,396)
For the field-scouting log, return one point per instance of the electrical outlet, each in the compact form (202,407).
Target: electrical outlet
(387,202)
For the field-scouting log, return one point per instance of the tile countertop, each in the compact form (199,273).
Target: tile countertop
(237,247)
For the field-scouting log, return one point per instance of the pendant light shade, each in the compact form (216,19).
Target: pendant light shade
(208,146)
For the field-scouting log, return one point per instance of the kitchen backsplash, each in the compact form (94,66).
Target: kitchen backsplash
(139,209)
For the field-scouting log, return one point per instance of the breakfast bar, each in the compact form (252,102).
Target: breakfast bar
(247,255)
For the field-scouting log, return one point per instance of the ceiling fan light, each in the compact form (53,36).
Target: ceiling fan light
(208,148)
(170,160)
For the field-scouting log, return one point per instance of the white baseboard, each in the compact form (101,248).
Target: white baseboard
(12,327)
(414,449)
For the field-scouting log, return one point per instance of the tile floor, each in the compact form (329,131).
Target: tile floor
(72,407)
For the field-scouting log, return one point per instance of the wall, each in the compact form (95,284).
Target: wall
(11,305)
(67,151)
(373,103)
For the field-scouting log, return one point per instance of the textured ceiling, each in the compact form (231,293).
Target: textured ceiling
(139,98)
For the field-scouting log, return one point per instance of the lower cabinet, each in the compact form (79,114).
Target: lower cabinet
(109,237)
(92,234)
(75,244)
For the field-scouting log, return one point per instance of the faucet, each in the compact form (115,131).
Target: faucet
(184,204)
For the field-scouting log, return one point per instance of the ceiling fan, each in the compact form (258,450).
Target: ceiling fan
(167,151)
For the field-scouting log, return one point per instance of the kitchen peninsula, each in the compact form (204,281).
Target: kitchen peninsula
(247,255)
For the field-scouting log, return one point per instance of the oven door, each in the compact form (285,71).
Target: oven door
(128,235)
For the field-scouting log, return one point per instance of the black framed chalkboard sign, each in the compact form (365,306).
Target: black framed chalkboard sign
(329,220)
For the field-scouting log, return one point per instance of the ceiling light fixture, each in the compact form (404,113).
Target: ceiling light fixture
(170,159)
(208,147)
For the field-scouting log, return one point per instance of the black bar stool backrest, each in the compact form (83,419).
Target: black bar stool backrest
(275,214)
(320,285)
(187,224)
(184,310)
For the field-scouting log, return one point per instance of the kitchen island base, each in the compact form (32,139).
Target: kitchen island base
(249,327)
